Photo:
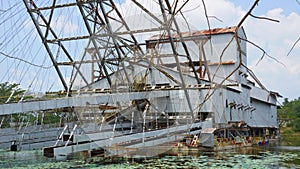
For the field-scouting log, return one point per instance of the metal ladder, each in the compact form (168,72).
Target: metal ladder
(194,141)
(61,135)
(74,128)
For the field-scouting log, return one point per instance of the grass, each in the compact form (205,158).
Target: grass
(289,137)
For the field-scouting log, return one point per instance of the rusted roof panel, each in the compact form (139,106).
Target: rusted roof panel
(222,63)
(214,31)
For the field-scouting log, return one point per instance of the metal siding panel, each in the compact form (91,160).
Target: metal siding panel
(11,108)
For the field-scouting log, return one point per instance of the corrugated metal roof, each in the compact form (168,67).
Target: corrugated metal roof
(214,31)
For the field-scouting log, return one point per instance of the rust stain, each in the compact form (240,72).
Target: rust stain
(214,31)
(222,63)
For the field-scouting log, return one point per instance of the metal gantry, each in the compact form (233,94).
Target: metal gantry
(109,38)
(105,44)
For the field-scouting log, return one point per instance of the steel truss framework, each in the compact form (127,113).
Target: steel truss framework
(108,44)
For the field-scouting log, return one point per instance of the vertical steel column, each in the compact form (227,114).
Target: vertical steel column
(176,56)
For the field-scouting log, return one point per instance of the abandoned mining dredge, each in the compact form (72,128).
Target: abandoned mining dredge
(143,98)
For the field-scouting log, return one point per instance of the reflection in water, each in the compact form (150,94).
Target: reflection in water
(253,157)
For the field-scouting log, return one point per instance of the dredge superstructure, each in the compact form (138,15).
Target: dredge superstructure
(140,98)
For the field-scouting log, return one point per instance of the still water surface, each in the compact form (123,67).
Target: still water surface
(272,156)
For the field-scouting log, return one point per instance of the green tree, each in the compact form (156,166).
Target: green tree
(286,101)
(10,91)
(291,110)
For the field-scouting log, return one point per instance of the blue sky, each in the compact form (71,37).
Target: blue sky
(265,5)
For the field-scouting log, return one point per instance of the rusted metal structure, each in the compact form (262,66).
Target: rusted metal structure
(139,93)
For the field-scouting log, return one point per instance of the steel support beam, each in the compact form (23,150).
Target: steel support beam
(80,101)
(168,25)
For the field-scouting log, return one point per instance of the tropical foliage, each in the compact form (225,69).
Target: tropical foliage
(10,92)
(291,112)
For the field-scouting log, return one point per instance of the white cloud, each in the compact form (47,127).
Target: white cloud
(193,10)
(62,23)
(222,10)
(277,39)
